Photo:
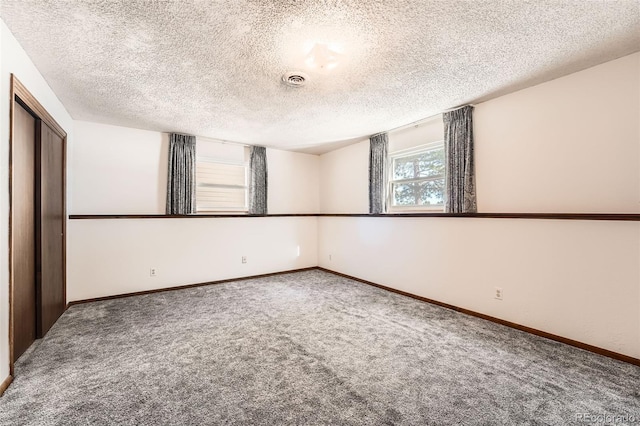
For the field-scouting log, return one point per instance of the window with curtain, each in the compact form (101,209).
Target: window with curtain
(417,179)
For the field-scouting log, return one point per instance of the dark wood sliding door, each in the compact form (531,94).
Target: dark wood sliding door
(37,296)
(49,227)
(24,266)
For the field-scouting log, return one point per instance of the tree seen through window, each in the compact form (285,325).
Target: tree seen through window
(418,179)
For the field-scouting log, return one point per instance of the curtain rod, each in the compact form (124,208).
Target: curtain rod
(418,122)
(222,141)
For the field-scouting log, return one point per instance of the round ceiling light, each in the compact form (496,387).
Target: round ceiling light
(295,79)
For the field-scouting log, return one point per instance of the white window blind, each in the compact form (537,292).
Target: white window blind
(220,186)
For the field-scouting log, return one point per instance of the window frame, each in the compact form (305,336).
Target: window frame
(230,210)
(390,181)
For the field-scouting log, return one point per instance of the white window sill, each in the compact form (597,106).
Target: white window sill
(397,210)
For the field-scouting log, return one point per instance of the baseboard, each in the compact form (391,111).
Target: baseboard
(5,384)
(182,287)
(567,341)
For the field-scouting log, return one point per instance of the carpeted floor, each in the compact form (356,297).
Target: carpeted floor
(307,348)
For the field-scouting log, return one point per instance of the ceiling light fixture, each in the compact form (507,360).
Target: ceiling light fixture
(323,57)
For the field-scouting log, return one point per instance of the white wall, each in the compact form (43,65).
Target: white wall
(344,183)
(293,185)
(118,170)
(571,145)
(13,59)
(114,256)
(568,145)
(577,279)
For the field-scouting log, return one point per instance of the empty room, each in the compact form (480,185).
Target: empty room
(319,212)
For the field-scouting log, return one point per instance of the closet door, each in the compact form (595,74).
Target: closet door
(23,237)
(49,227)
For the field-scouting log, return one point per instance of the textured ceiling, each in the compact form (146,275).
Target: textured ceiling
(214,68)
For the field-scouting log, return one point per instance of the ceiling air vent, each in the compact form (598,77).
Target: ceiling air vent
(295,79)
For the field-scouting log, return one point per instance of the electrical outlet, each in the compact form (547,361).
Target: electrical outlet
(244,259)
(153,272)
(329,258)
(298,251)
(498,294)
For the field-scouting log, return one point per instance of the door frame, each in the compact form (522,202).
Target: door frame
(19,93)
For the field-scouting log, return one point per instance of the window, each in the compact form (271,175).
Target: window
(220,186)
(416,180)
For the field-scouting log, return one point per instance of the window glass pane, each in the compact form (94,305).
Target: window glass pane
(405,194)
(404,168)
(425,164)
(427,193)
(432,193)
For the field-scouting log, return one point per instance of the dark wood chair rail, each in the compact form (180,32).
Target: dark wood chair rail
(628,217)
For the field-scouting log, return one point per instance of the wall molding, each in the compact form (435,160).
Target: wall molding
(550,336)
(181,216)
(186,286)
(5,384)
(19,90)
(562,216)
(627,217)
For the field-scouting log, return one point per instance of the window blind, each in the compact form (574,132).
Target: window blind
(220,186)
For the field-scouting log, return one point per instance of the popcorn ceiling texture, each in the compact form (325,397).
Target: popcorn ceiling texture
(214,68)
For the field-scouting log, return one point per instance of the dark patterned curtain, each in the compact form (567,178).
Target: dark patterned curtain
(378,147)
(258,180)
(460,187)
(181,182)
